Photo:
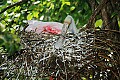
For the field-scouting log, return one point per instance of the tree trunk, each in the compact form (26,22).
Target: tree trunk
(109,20)
(108,10)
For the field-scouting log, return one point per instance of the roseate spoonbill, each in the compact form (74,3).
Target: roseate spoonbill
(52,27)
(46,27)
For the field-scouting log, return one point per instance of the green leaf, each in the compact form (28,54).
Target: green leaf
(8,37)
(72,8)
(119,23)
(29,16)
(98,23)
(52,6)
(35,14)
(45,2)
(113,14)
(1,40)
(67,3)
(61,7)
(17,8)
(83,78)
(3,2)
(12,48)
(15,0)
(32,7)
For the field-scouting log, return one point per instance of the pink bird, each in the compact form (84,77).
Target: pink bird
(52,27)
(45,27)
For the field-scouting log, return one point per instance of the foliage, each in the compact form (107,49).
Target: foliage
(98,23)
(9,41)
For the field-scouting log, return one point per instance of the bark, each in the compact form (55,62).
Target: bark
(96,11)
(109,10)
(109,21)
(105,9)
(93,5)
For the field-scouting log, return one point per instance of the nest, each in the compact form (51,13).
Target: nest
(89,54)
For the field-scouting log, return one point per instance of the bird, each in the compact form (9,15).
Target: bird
(60,50)
(44,27)
(72,27)
(52,27)
(68,26)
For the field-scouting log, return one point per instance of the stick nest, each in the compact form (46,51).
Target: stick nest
(89,54)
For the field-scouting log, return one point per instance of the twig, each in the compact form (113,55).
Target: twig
(18,3)
(108,44)
(115,31)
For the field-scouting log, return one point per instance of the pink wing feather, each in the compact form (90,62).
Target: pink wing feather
(46,27)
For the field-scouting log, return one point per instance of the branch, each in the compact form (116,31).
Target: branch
(18,3)
(95,12)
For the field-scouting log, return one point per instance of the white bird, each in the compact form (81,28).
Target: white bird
(69,25)
(72,27)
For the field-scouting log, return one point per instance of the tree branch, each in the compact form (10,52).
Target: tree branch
(95,12)
(18,3)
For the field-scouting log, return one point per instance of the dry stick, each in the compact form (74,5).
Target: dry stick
(108,30)
(108,44)
(18,3)
(96,11)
